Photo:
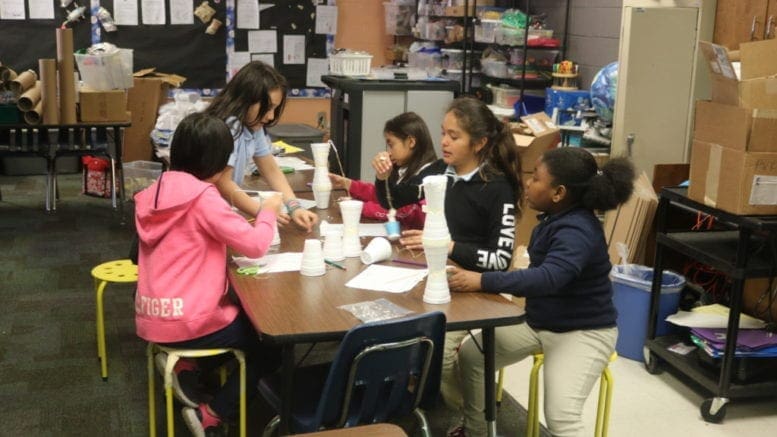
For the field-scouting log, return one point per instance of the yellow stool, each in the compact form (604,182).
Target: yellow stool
(602,411)
(119,271)
(173,355)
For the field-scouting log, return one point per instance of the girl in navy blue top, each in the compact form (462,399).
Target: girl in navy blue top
(570,316)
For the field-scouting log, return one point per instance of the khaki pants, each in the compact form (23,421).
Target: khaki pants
(573,363)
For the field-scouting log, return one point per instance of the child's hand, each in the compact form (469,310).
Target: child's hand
(412,239)
(340,182)
(382,165)
(305,219)
(272,203)
(463,280)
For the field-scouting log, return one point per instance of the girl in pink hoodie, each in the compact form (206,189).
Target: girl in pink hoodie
(184,227)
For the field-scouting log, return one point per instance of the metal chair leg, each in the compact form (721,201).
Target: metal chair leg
(424,422)
(101,352)
(271,427)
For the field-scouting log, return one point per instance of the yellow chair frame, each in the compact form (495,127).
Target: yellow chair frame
(173,355)
(118,271)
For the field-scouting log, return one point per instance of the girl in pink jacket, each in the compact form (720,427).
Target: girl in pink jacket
(184,227)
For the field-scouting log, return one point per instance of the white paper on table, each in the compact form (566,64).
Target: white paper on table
(386,278)
(326,19)
(125,12)
(365,229)
(247,14)
(41,9)
(274,263)
(153,11)
(317,67)
(262,41)
(267,58)
(12,9)
(181,12)
(306,203)
(293,162)
(293,49)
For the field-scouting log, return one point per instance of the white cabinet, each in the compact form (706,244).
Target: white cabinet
(660,75)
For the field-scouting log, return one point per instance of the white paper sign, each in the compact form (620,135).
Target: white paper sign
(262,41)
(326,19)
(293,49)
(181,12)
(238,59)
(316,68)
(125,12)
(12,9)
(153,11)
(267,58)
(247,14)
(764,190)
(41,9)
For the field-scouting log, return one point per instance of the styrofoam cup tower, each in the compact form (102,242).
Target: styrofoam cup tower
(322,186)
(436,240)
(351,210)
(276,239)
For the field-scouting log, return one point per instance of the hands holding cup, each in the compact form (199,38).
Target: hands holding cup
(382,165)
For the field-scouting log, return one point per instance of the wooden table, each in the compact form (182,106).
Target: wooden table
(298,181)
(374,430)
(288,308)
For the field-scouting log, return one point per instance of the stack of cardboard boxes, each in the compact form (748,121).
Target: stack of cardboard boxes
(734,154)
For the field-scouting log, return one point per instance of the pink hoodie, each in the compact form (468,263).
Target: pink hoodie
(184,231)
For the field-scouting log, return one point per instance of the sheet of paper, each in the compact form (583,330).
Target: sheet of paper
(316,68)
(293,162)
(267,58)
(293,49)
(247,14)
(12,9)
(125,12)
(181,12)
(326,19)
(695,319)
(365,229)
(262,41)
(153,11)
(385,278)
(274,263)
(287,148)
(41,9)
(238,59)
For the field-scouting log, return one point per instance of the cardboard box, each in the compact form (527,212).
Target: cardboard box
(754,303)
(103,105)
(733,180)
(542,135)
(758,85)
(752,130)
(143,100)
(525,225)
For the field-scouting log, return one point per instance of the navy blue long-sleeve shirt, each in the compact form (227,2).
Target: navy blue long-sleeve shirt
(567,285)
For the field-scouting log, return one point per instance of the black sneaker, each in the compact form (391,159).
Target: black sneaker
(185,382)
(193,419)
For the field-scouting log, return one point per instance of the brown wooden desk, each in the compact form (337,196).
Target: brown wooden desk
(288,308)
(298,181)
(375,430)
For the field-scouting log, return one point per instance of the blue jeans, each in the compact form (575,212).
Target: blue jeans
(261,359)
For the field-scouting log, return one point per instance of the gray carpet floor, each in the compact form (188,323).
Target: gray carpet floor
(49,373)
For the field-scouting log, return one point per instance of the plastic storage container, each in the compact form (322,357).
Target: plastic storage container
(106,71)
(350,63)
(140,174)
(400,17)
(505,96)
(452,59)
(631,286)
(486,30)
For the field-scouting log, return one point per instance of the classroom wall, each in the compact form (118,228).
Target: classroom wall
(360,26)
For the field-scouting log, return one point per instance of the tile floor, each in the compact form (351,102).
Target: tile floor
(659,405)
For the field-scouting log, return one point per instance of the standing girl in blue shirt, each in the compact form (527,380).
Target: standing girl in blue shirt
(253,99)
(570,316)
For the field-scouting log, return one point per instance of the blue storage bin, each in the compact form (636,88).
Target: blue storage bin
(530,105)
(631,296)
(568,103)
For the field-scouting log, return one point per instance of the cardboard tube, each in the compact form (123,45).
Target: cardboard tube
(48,91)
(23,82)
(35,116)
(30,98)
(66,67)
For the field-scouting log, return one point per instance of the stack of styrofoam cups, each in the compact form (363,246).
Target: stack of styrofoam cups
(322,186)
(379,249)
(333,244)
(312,259)
(276,240)
(351,210)
(436,239)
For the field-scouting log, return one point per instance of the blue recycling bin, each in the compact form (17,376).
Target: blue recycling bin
(631,296)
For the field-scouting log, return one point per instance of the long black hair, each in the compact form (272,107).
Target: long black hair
(588,186)
(201,145)
(251,85)
(500,154)
(407,125)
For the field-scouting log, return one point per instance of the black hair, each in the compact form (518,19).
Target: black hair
(576,169)
(251,85)
(500,153)
(404,126)
(201,145)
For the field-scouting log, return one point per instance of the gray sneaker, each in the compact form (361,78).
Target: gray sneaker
(185,382)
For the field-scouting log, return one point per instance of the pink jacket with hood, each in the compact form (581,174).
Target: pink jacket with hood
(184,230)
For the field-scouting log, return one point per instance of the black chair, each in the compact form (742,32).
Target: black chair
(382,370)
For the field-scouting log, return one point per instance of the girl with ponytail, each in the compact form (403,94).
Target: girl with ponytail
(570,316)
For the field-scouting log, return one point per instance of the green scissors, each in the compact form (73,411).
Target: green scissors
(250,270)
